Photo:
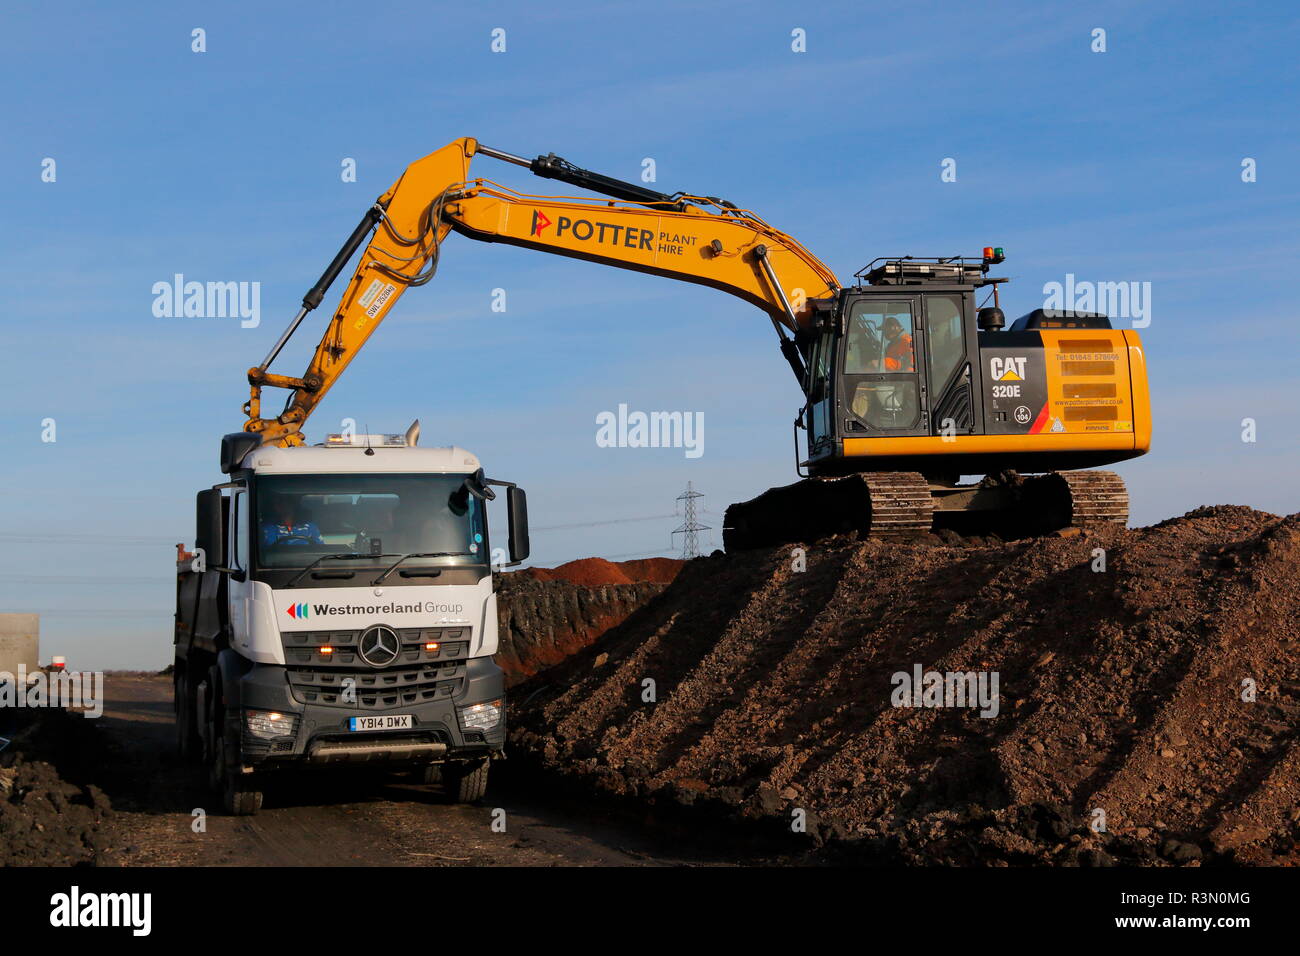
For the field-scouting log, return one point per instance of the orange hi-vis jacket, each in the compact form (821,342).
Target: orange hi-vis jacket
(898,357)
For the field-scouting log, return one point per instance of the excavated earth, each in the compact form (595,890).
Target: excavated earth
(546,614)
(1148,708)
(45,820)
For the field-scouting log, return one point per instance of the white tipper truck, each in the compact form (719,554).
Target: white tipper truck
(338,608)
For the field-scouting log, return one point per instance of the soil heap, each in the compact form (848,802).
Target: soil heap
(546,614)
(1148,696)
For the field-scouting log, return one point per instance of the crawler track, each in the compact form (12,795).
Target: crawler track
(891,504)
(900,505)
(1075,499)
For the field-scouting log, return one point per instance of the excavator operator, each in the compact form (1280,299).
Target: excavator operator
(899,355)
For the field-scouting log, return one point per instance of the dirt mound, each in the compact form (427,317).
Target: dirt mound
(540,622)
(1148,696)
(656,570)
(597,572)
(44,819)
(546,614)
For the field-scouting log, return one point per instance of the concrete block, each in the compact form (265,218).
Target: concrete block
(20,642)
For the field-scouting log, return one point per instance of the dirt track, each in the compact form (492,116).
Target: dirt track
(58,814)
(350,822)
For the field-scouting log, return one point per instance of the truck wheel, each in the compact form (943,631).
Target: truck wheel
(186,746)
(239,793)
(466,783)
(217,767)
(215,751)
(432,774)
(242,798)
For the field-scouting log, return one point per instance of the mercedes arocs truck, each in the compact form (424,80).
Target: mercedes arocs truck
(338,609)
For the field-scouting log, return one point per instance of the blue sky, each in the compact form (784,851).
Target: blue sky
(225,166)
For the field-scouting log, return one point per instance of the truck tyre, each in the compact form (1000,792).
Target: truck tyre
(467,782)
(432,774)
(240,794)
(186,739)
(214,756)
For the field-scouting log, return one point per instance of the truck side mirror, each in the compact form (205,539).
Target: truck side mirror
(517,515)
(234,447)
(209,534)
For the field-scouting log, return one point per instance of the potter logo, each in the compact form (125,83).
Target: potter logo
(540,222)
(297,610)
(1010,369)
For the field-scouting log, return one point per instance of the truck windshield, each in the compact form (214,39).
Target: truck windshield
(301,518)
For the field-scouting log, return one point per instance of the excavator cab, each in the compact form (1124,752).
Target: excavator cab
(893,357)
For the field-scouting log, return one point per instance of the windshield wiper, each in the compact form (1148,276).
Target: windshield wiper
(427,554)
(334,557)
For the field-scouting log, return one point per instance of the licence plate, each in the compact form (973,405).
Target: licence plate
(388,722)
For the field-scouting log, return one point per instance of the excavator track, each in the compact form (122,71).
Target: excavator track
(891,505)
(901,504)
(1075,499)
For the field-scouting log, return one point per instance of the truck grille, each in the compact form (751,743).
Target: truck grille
(376,689)
(304,647)
(429,667)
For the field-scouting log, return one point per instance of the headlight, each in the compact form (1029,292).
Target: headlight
(269,724)
(481,716)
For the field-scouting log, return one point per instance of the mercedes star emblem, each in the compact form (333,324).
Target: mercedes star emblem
(380,646)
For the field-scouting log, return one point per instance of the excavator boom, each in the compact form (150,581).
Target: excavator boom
(695,239)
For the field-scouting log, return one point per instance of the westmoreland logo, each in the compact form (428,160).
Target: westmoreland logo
(303,609)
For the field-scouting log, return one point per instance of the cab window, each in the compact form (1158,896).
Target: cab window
(880,338)
(239,521)
(880,342)
(887,405)
(947,351)
(819,370)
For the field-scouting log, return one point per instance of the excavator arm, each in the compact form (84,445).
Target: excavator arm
(692,238)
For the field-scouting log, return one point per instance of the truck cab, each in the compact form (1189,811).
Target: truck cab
(339,609)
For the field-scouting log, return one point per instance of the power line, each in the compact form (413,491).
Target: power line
(594,524)
(55,537)
(90,578)
(541,562)
(93,613)
(64,537)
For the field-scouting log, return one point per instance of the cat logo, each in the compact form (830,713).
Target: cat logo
(1010,369)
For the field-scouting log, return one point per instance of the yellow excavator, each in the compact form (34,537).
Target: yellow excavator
(909,384)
